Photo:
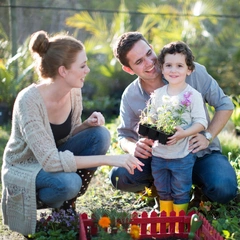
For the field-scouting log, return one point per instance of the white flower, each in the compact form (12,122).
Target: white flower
(160,109)
(174,101)
(166,99)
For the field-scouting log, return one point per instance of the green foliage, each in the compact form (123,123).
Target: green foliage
(15,73)
(167,120)
(106,105)
(107,80)
(114,147)
(223,217)
(159,21)
(103,235)
(59,225)
(222,64)
(230,144)
(146,117)
(54,235)
(114,215)
(98,47)
(119,224)
(236,112)
(166,117)
(4,136)
(168,21)
(230,140)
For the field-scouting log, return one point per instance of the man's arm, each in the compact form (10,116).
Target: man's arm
(214,96)
(128,145)
(200,142)
(218,122)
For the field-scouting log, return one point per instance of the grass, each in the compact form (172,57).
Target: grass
(101,194)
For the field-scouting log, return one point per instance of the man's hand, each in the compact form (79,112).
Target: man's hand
(143,148)
(198,142)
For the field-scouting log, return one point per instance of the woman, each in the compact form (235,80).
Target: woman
(50,146)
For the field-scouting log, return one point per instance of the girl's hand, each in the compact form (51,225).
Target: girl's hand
(96,119)
(179,134)
(129,162)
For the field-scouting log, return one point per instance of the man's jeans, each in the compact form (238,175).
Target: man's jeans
(53,188)
(213,173)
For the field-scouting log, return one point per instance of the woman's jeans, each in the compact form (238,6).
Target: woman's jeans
(53,188)
(173,177)
(212,172)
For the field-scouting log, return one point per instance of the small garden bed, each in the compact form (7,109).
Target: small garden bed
(191,226)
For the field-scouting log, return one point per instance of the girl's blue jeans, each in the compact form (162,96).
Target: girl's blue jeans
(212,172)
(173,177)
(53,188)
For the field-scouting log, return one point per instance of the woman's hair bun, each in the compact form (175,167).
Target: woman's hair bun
(39,43)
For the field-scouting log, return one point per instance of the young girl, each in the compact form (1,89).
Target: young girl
(172,164)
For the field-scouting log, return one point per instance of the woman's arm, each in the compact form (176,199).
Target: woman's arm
(125,160)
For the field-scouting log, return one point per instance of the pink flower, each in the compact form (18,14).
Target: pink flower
(186,101)
(187,94)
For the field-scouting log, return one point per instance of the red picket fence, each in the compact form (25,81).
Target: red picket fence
(149,226)
(207,231)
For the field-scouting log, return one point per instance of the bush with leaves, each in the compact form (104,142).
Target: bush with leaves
(59,224)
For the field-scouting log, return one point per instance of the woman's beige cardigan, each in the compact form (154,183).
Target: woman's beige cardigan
(30,148)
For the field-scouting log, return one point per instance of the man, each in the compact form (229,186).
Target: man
(212,171)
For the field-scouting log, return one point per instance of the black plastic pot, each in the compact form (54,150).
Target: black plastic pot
(153,133)
(163,137)
(143,129)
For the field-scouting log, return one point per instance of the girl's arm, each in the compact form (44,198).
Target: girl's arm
(181,133)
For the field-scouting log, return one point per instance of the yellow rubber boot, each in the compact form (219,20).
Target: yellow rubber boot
(177,208)
(166,206)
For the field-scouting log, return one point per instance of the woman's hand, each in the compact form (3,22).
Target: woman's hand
(96,119)
(129,162)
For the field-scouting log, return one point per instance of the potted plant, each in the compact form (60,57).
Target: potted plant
(100,226)
(164,119)
(113,224)
(59,224)
(146,122)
